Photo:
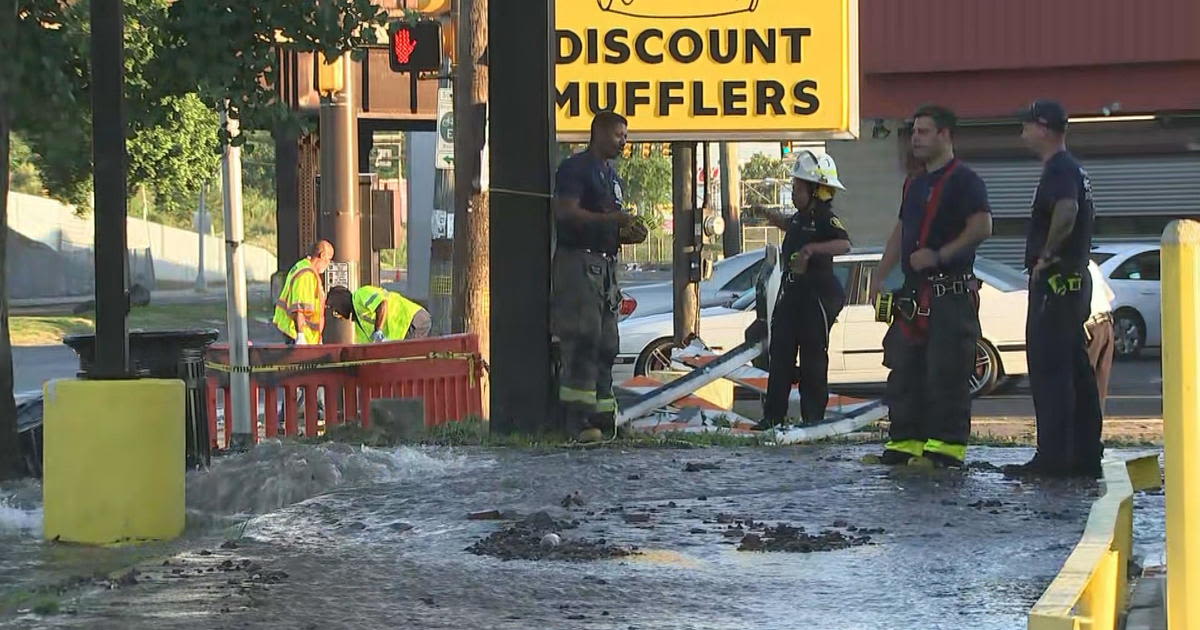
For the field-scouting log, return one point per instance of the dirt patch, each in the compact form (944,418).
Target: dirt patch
(529,540)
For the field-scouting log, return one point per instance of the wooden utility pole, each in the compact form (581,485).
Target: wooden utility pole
(10,447)
(471,304)
(731,199)
(686,254)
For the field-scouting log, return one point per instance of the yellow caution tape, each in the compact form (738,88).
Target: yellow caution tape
(473,361)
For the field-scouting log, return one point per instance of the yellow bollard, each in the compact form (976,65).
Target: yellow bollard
(1181,419)
(113,468)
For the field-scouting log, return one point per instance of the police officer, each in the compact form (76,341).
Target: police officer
(810,297)
(930,346)
(1065,396)
(591,225)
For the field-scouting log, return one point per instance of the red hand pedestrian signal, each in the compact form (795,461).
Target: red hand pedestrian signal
(415,47)
(403,45)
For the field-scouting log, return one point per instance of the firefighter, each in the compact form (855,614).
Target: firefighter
(378,314)
(300,309)
(591,224)
(1065,394)
(810,297)
(930,345)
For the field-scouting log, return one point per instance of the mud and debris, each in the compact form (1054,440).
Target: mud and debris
(700,466)
(786,538)
(523,541)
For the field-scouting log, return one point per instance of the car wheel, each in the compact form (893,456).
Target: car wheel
(1129,333)
(655,358)
(987,370)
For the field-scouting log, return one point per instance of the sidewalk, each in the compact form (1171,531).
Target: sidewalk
(1147,610)
(51,305)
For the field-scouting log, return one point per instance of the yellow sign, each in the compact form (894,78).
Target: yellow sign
(708,69)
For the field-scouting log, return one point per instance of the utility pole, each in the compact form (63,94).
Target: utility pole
(471,304)
(109,158)
(339,188)
(441,247)
(685,274)
(522,149)
(731,199)
(235,287)
(202,224)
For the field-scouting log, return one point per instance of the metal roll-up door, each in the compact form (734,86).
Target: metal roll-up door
(1167,185)
(1145,185)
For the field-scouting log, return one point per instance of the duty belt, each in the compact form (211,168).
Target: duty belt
(944,284)
(595,252)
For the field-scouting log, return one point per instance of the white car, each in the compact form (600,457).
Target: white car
(856,341)
(731,277)
(1133,272)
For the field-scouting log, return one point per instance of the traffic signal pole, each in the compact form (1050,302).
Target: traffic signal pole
(339,189)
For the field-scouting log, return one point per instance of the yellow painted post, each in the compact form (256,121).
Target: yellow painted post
(1181,419)
(113,469)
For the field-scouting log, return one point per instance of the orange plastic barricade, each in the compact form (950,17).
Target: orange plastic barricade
(304,390)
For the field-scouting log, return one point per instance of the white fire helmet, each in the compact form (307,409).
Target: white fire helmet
(819,169)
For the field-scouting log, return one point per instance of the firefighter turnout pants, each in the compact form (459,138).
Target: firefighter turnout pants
(801,321)
(928,390)
(584,319)
(1065,395)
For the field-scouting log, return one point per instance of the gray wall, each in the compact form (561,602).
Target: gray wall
(872,172)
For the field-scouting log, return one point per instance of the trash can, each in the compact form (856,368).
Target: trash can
(167,354)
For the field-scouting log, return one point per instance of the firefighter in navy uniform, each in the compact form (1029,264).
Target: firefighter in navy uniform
(1063,382)
(810,296)
(591,225)
(930,345)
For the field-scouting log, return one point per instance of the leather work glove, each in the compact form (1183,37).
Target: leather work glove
(634,233)
(378,337)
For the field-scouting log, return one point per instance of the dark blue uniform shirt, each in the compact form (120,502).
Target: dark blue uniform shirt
(1062,178)
(817,225)
(961,193)
(595,183)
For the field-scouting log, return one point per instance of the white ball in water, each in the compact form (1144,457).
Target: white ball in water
(551,540)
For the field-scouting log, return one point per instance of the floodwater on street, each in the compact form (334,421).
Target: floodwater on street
(332,536)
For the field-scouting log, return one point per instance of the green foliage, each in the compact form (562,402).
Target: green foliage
(22,167)
(227,50)
(762,166)
(647,184)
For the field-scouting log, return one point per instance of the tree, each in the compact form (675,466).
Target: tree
(171,136)
(471,304)
(762,166)
(755,188)
(647,183)
(224,51)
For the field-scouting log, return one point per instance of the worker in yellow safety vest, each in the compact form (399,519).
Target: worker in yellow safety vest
(379,315)
(300,309)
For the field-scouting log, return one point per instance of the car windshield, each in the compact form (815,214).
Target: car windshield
(1000,275)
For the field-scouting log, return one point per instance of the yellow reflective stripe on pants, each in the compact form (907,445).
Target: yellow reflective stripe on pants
(579,396)
(912,447)
(606,405)
(957,451)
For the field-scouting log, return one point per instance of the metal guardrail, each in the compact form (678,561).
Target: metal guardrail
(1091,590)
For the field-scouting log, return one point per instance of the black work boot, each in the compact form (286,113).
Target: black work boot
(943,461)
(766,424)
(888,458)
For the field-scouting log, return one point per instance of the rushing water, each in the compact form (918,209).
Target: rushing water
(344,537)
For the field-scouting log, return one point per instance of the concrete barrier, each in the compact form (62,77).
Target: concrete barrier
(1092,588)
(48,236)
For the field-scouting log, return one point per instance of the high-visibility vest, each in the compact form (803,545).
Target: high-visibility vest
(301,293)
(400,313)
